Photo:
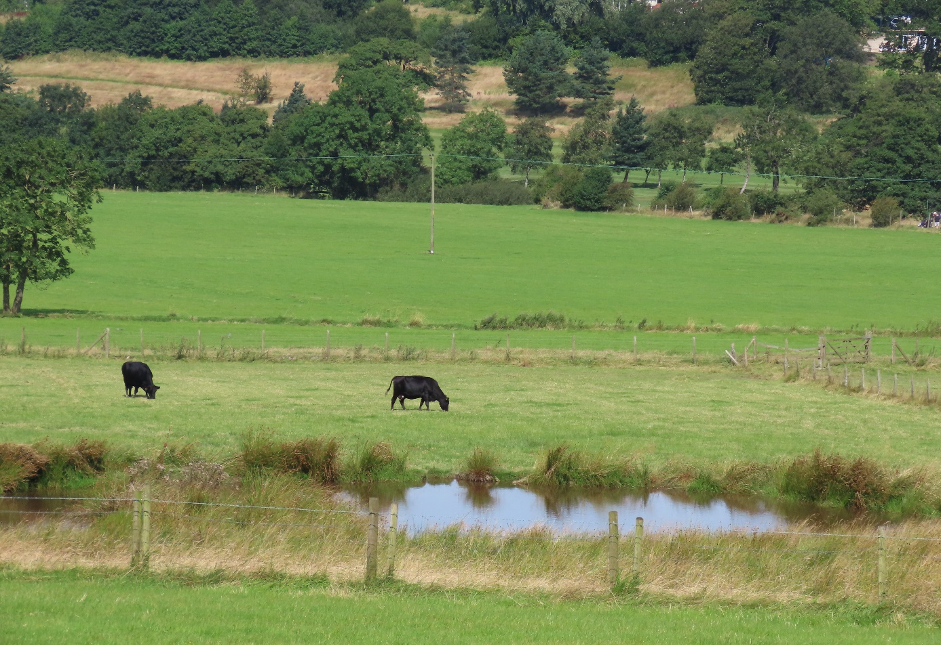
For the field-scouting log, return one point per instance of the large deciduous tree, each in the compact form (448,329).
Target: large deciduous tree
(531,146)
(470,151)
(773,137)
(536,73)
(733,66)
(46,192)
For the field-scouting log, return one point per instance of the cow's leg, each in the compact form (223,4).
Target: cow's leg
(401,401)
(394,397)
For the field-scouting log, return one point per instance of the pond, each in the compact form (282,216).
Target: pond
(511,508)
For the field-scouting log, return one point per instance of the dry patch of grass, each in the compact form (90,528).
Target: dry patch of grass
(108,78)
(656,88)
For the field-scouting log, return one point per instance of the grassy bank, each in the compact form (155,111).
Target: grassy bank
(101,607)
(279,526)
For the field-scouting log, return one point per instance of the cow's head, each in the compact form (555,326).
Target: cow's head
(444,403)
(152,391)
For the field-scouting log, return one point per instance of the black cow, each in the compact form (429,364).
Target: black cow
(417,387)
(138,376)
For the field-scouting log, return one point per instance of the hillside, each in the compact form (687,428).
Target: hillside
(107,78)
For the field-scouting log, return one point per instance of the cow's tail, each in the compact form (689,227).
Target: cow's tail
(390,385)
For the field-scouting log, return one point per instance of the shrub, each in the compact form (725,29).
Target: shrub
(494,192)
(821,205)
(589,193)
(858,483)
(676,196)
(884,209)
(19,465)
(765,202)
(316,458)
(619,198)
(729,204)
(538,320)
(480,467)
(563,466)
(556,184)
(376,462)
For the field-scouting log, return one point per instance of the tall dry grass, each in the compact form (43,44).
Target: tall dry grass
(801,566)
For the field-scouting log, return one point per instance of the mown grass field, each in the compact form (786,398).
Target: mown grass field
(699,415)
(104,608)
(238,257)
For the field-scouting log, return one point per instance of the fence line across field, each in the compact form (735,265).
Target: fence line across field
(381,539)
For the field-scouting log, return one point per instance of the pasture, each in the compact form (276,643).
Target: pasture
(232,257)
(658,414)
(106,608)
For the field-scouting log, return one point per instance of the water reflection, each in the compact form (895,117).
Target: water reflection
(566,511)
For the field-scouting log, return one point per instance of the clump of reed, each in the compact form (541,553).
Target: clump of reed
(50,465)
(563,466)
(316,458)
(480,467)
(376,462)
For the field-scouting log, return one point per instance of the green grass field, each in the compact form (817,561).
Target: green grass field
(223,256)
(105,608)
(657,413)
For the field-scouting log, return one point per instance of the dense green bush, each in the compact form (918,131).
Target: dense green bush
(884,209)
(590,191)
(495,192)
(822,205)
(766,202)
(619,198)
(728,204)
(675,196)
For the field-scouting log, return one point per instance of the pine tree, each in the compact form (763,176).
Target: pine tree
(536,73)
(629,137)
(295,102)
(452,67)
(592,80)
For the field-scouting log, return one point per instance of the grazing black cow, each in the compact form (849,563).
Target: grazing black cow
(417,387)
(138,376)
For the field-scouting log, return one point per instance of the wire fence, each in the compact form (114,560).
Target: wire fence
(874,565)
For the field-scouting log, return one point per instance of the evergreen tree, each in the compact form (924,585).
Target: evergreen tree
(629,137)
(295,102)
(536,72)
(7,79)
(592,80)
(245,38)
(452,67)
(531,146)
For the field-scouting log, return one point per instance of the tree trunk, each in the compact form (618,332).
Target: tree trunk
(6,297)
(659,178)
(647,176)
(526,182)
(721,178)
(684,175)
(776,177)
(626,173)
(747,172)
(18,298)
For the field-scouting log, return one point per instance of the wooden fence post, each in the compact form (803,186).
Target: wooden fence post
(327,348)
(262,340)
(613,572)
(846,377)
(893,351)
(895,385)
(638,538)
(144,560)
(393,534)
(694,350)
(135,529)
(107,342)
(913,386)
(882,567)
(372,539)
(635,348)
